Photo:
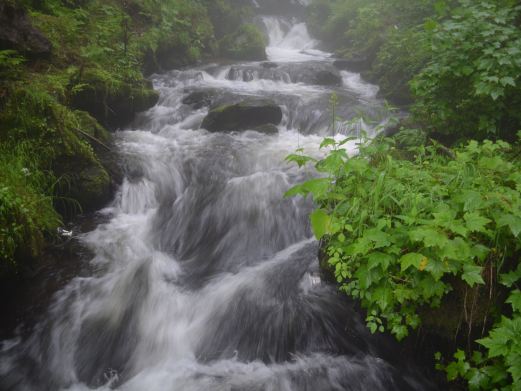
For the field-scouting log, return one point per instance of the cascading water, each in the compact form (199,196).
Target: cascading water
(204,276)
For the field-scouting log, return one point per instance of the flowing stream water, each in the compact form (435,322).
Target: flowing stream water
(204,276)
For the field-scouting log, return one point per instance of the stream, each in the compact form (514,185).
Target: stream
(203,276)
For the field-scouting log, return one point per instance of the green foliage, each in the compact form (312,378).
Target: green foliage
(247,43)
(227,15)
(472,85)
(99,51)
(10,62)
(499,367)
(26,206)
(423,220)
(425,223)
(389,34)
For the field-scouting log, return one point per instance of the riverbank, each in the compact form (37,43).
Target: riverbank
(413,227)
(72,73)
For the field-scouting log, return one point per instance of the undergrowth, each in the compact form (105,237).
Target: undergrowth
(426,223)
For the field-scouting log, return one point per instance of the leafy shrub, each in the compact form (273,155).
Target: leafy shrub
(247,43)
(26,206)
(423,220)
(389,35)
(399,247)
(472,87)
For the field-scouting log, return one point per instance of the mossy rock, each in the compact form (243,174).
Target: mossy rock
(113,104)
(246,44)
(92,127)
(84,183)
(247,115)
(410,138)
(56,137)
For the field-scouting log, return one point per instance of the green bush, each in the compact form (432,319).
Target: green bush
(388,35)
(472,87)
(400,234)
(247,43)
(26,206)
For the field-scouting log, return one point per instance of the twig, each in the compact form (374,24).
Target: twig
(94,139)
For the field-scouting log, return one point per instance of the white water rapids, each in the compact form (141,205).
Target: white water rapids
(204,276)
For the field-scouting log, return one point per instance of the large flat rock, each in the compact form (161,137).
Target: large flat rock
(246,115)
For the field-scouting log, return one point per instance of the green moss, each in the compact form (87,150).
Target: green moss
(92,127)
(112,103)
(54,135)
(26,206)
(247,43)
(52,111)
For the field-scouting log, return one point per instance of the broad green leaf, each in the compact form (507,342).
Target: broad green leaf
(515,300)
(429,236)
(378,259)
(508,81)
(472,275)
(511,221)
(379,238)
(457,249)
(480,252)
(411,259)
(383,297)
(317,187)
(496,343)
(513,361)
(509,279)
(436,268)
(295,191)
(476,222)
(327,142)
(320,223)
(301,160)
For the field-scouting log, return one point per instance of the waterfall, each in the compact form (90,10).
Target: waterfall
(204,277)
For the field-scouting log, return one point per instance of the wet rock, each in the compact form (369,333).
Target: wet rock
(17,33)
(323,74)
(200,99)
(246,115)
(354,65)
(267,129)
(113,106)
(327,78)
(269,65)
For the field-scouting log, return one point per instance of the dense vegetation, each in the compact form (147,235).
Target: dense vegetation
(424,227)
(72,70)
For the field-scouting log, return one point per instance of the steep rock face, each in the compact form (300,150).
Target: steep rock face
(17,33)
(243,116)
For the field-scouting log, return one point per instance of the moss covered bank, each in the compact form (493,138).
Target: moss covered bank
(72,71)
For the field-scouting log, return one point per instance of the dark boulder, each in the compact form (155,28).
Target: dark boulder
(316,73)
(246,115)
(113,107)
(354,65)
(267,129)
(269,65)
(17,33)
(200,99)
(327,78)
